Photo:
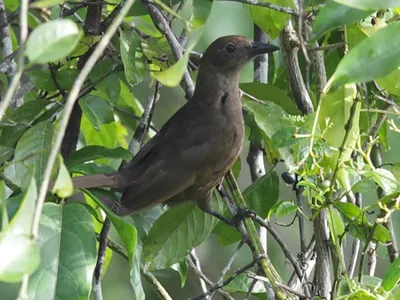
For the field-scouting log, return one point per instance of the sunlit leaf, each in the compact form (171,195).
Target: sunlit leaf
(52,41)
(375,57)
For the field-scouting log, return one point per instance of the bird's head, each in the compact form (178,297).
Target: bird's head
(231,53)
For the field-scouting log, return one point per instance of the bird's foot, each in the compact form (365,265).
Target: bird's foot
(243,213)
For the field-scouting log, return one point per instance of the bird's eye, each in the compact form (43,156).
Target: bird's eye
(230,48)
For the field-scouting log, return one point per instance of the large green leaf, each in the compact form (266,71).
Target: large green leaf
(52,41)
(333,15)
(392,276)
(43,80)
(390,82)
(175,233)
(68,253)
(31,154)
(19,254)
(370,4)
(132,57)
(262,195)
(271,21)
(268,92)
(96,110)
(271,118)
(375,57)
(89,153)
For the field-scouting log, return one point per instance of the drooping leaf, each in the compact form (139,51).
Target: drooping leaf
(89,153)
(52,41)
(335,223)
(63,186)
(375,57)
(67,253)
(201,11)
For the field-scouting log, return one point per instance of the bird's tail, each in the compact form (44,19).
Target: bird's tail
(108,180)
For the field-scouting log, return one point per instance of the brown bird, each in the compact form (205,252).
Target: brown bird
(192,152)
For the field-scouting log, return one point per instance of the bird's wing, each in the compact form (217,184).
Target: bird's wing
(169,164)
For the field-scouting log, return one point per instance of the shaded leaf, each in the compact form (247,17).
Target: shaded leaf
(263,194)
(52,41)
(96,110)
(201,12)
(89,153)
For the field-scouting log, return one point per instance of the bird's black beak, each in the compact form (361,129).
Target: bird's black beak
(261,48)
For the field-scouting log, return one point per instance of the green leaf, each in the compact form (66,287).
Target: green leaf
(111,86)
(5,154)
(19,255)
(201,12)
(172,76)
(31,154)
(382,234)
(271,21)
(270,118)
(67,253)
(63,186)
(268,92)
(263,194)
(28,112)
(52,41)
(370,4)
(336,107)
(89,153)
(392,276)
(132,57)
(175,233)
(282,208)
(384,178)
(96,110)
(43,79)
(126,231)
(284,137)
(333,15)
(375,57)
(335,223)
(182,269)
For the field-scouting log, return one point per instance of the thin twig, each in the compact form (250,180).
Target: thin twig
(228,280)
(196,262)
(284,9)
(162,25)
(198,272)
